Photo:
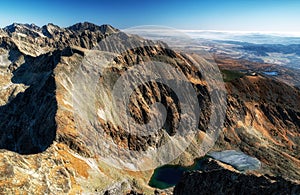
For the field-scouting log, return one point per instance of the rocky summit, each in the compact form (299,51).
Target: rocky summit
(60,132)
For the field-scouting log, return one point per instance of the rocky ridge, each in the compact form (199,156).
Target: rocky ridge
(227,180)
(37,109)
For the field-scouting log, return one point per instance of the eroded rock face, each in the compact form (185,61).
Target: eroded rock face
(263,120)
(28,120)
(37,112)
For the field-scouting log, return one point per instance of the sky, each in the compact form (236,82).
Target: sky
(223,15)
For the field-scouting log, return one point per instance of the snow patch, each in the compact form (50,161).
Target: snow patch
(4,61)
(101,114)
(21,35)
(238,160)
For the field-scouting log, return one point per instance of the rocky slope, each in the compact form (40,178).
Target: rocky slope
(263,119)
(227,180)
(54,119)
(39,98)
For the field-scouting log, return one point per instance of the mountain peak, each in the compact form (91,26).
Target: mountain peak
(93,27)
(18,26)
(50,30)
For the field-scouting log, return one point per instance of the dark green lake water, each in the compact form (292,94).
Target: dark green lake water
(169,175)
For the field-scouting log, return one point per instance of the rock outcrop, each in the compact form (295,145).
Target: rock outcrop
(221,179)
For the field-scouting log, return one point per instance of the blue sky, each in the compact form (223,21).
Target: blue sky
(235,15)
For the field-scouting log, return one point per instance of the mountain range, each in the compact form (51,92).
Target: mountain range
(58,127)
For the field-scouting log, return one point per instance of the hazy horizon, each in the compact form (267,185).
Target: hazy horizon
(190,31)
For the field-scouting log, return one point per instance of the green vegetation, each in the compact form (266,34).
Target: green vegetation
(229,75)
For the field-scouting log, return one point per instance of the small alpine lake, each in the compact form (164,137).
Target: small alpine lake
(169,175)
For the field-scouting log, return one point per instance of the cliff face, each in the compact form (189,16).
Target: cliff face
(223,179)
(64,122)
(28,118)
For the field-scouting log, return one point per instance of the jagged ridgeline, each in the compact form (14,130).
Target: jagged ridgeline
(66,52)
(29,56)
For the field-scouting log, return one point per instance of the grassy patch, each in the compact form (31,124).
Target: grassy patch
(229,75)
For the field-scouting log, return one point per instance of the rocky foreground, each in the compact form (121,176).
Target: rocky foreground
(44,152)
(227,180)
